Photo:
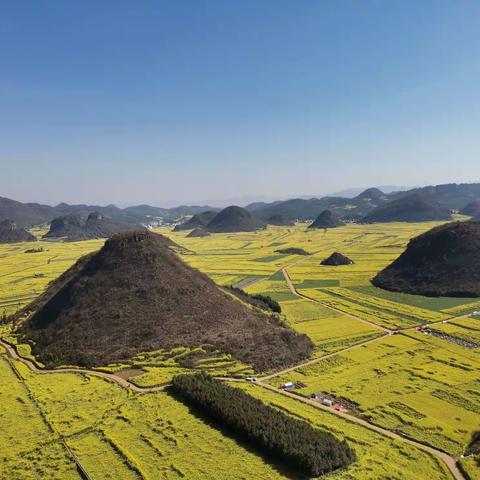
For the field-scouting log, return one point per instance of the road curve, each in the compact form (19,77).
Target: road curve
(108,376)
(450,462)
(447,459)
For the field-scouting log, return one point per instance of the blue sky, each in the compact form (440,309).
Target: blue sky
(169,102)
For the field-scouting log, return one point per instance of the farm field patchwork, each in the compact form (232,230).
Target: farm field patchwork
(417,384)
(24,276)
(330,331)
(379,457)
(425,386)
(117,434)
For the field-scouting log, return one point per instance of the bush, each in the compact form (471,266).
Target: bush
(309,451)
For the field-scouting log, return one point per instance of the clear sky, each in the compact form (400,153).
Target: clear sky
(193,101)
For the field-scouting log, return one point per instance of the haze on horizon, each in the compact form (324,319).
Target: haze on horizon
(182,102)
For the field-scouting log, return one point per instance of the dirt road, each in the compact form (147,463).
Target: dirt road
(294,291)
(319,359)
(447,459)
(450,462)
(108,376)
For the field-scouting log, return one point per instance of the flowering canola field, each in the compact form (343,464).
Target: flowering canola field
(425,386)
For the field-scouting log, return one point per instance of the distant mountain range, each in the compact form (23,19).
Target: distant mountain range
(449,196)
(30,214)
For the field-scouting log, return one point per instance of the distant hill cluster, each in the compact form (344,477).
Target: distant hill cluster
(10,233)
(411,208)
(370,206)
(31,214)
(73,228)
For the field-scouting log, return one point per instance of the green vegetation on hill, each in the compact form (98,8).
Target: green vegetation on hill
(336,259)
(413,208)
(199,220)
(233,219)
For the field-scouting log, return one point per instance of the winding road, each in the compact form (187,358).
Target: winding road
(107,376)
(450,461)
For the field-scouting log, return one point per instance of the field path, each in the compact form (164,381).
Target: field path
(108,376)
(448,460)
(319,359)
(294,291)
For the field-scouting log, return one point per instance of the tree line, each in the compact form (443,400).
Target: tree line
(262,301)
(308,450)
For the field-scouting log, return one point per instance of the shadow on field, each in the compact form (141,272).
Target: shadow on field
(276,463)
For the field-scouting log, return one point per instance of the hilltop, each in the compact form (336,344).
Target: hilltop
(10,233)
(72,228)
(371,194)
(233,219)
(326,219)
(336,258)
(136,295)
(441,262)
(412,208)
(198,220)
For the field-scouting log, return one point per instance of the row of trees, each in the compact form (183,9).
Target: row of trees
(310,451)
(262,301)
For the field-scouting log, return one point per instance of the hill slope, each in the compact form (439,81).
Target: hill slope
(326,219)
(73,228)
(197,233)
(412,208)
(444,261)
(279,220)
(10,233)
(198,220)
(233,219)
(137,295)
(472,209)
(451,196)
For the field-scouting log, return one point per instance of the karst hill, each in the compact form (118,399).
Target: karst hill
(444,261)
(136,295)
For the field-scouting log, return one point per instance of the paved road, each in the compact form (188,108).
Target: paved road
(450,462)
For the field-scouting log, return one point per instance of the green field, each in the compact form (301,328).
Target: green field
(425,386)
